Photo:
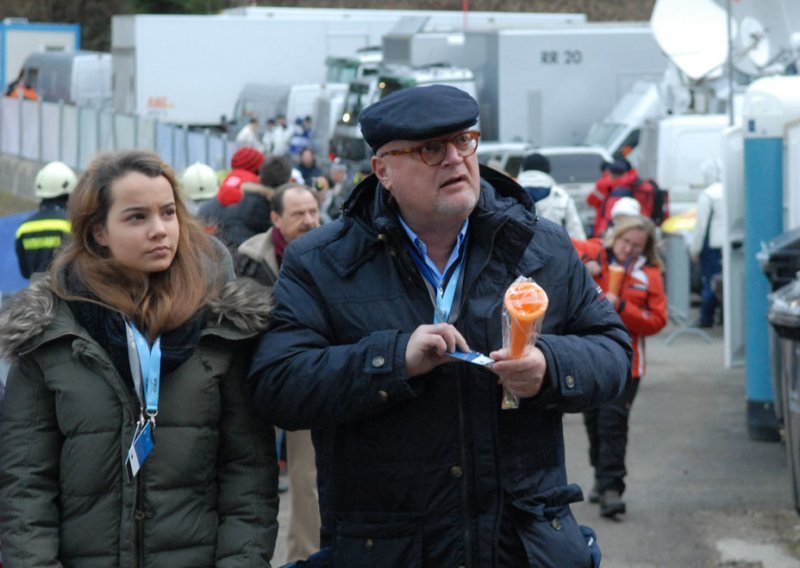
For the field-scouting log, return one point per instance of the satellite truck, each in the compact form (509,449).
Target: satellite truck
(670,128)
(190,69)
(543,85)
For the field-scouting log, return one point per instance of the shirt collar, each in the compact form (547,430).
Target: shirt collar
(432,273)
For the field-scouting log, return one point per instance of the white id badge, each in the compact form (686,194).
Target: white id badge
(140,449)
(472,357)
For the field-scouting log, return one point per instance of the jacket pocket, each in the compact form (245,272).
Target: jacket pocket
(378,544)
(548,531)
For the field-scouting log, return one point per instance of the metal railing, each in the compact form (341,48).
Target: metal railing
(45,131)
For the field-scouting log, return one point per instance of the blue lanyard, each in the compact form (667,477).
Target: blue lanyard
(443,302)
(445,296)
(145,368)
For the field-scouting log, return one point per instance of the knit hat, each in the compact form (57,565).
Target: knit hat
(247,158)
(535,162)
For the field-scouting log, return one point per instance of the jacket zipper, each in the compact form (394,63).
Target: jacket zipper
(468,537)
(462,427)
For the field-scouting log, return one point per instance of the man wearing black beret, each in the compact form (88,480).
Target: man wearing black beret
(417,463)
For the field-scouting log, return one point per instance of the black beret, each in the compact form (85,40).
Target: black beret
(618,166)
(418,113)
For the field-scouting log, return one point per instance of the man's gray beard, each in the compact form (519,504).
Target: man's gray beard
(447,208)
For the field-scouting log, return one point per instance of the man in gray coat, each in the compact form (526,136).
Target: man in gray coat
(418,465)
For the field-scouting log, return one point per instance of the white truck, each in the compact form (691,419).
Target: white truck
(80,78)
(190,69)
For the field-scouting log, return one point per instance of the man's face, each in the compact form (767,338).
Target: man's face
(425,194)
(300,213)
(307,158)
(338,175)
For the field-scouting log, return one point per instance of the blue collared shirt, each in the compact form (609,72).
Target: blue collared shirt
(428,268)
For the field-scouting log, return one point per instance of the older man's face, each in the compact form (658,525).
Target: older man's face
(300,213)
(429,194)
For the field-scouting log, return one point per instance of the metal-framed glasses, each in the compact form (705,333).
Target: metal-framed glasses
(433,152)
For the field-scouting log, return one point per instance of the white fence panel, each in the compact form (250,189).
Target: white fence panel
(45,131)
(30,130)
(51,132)
(70,136)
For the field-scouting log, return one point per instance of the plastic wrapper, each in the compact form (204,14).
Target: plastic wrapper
(524,306)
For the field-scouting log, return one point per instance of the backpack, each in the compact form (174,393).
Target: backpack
(653,199)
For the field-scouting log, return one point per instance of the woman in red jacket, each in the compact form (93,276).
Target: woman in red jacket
(642,305)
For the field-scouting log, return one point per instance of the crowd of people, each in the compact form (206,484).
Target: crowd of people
(330,304)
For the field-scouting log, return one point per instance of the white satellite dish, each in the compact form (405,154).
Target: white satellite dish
(693,34)
(763,44)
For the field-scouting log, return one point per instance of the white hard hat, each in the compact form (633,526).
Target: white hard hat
(199,182)
(54,180)
(626,206)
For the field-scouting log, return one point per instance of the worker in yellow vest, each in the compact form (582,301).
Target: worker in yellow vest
(42,234)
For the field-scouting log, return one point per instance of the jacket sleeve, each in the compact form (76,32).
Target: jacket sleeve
(599,194)
(247,477)
(301,379)
(30,450)
(589,353)
(651,317)
(700,224)
(22,259)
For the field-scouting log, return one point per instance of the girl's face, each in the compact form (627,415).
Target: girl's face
(629,245)
(141,230)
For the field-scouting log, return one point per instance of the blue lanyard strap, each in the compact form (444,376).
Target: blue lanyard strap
(444,295)
(145,368)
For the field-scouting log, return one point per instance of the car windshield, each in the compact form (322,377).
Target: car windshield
(575,168)
(355,102)
(341,70)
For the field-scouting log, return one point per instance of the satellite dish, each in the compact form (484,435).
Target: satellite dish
(693,34)
(763,42)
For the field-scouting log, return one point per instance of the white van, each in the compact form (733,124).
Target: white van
(81,78)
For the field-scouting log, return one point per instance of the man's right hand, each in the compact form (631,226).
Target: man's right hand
(427,347)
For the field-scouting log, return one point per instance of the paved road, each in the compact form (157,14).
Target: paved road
(701,494)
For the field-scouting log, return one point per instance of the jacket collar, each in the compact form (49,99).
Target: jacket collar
(36,316)
(504,211)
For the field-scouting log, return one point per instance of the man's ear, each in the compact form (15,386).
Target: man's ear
(275,218)
(380,169)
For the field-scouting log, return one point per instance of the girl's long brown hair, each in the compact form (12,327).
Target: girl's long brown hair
(156,302)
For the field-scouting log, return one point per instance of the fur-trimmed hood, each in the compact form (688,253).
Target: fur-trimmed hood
(241,309)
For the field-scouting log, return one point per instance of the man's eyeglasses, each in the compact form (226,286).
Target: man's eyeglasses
(433,152)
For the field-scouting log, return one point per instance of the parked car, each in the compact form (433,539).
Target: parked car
(575,168)
(503,156)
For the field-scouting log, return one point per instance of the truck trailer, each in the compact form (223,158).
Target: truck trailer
(190,69)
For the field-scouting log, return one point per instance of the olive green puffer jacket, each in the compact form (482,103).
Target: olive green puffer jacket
(206,496)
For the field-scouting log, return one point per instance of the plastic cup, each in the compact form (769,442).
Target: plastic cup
(525,303)
(615,275)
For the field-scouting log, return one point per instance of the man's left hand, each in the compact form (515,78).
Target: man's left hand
(524,376)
